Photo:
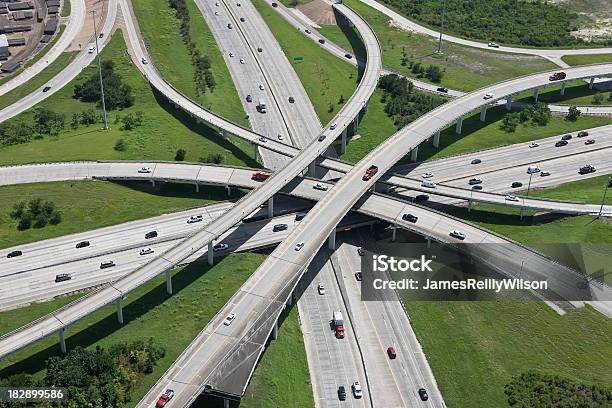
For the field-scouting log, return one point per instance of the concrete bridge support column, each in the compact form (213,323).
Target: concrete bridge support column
(469,205)
(428,242)
(225,403)
(153,183)
(343,141)
(290,300)
(119,311)
(355,123)
(197,185)
(224,133)
(275,331)
(229,190)
(169,281)
(312,169)
(483,113)
(394,229)
(591,83)
(563,88)
(271,207)
(62,340)
(331,241)
(536,92)
(436,141)
(255,152)
(211,254)
(413,154)
(459,124)
(365,107)
(509,102)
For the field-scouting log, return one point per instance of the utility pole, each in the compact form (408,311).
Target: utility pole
(603,200)
(93,13)
(441,27)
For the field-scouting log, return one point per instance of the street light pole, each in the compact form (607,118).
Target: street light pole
(603,200)
(93,13)
(441,28)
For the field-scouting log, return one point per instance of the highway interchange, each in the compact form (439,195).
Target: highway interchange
(222,358)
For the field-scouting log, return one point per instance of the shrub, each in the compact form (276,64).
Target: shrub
(573,113)
(120,145)
(180,155)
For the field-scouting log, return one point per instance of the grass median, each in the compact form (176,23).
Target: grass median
(587,59)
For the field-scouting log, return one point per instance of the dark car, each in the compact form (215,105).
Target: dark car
(14,254)
(477,187)
(107,264)
(150,234)
(341,393)
(280,227)
(249,98)
(421,197)
(259,49)
(300,216)
(587,169)
(242,19)
(391,353)
(321,40)
(517,184)
(322,138)
(46,88)
(274,5)
(62,277)
(101,35)
(82,244)
(291,99)
(476,161)
(582,133)
(358,276)
(423,394)
(410,217)
(347,55)
(360,251)
(561,143)
(566,137)
(442,89)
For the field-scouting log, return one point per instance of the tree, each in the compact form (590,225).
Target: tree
(40,220)
(35,206)
(55,218)
(434,73)
(25,222)
(216,158)
(180,155)
(48,208)
(573,113)
(341,100)
(116,93)
(74,122)
(510,122)
(128,121)
(597,99)
(18,210)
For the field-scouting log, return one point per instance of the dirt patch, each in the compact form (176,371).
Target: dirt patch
(86,35)
(319,11)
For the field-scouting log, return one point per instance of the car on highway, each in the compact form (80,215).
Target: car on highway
(321,40)
(474,180)
(587,169)
(249,98)
(231,54)
(358,276)
(220,247)
(91,49)
(144,170)
(164,398)
(260,176)
(321,289)
(423,394)
(582,133)
(341,393)
(477,187)
(299,246)
(442,89)
(307,31)
(280,227)
(46,88)
(488,95)
(101,35)
(107,264)
(557,76)
(259,49)
(320,186)
(14,254)
(357,391)
(241,60)
(242,19)
(279,136)
(322,138)
(493,45)
(216,13)
(229,25)
(261,87)
(533,144)
(544,173)
(369,173)
(428,184)
(516,184)
(511,197)
(457,234)
(229,319)
(561,143)
(347,55)
(410,218)
(144,61)
(291,99)
(566,137)
(421,198)
(194,218)
(82,244)
(427,175)
(476,161)
(333,126)
(274,5)
(589,141)
(151,234)
(300,216)
(146,251)
(533,169)
(391,353)
(62,277)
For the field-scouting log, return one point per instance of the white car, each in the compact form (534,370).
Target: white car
(144,170)
(533,144)
(488,95)
(263,139)
(231,54)
(533,169)
(220,247)
(216,13)
(357,391)
(299,246)
(146,251)
(229,319)
(493,45)
(544,173)
(457,234)
(333,126)
(428,184)
(241,61)
(261,87)
(144,61)
(194,218)
(91,49)
(510,197)
(321,289)
(320,186)
(427,175)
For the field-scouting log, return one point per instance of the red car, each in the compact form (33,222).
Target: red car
(582,133)
(164,398)
(588,142)
(557,76)
(369,173)
(340,332)
(391,352)
(260,176)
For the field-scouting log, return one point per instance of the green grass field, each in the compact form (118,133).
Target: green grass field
(86,205)
(575,60)
(165,128)
(324,76)
(160,29)
(464,68)
(173,321)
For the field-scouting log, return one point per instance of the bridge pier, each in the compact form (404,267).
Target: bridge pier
(271,207)
(62,340)
(169,281)
(509,102)
(413,154)
(563,88)
(536,92)
(355,123)
(224,133)
(436,141)
(119,311)
(591,83)
(211,254)
(459,124)
(331,241)
(312,169)
(469,205)
(255,152)
(394,229)
(275,331)
(483,113)
(197,186)
(428,242)
(343,141)
(229,190)
(153,183)
(225,403)
(290,300)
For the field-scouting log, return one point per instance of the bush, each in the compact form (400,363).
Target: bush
(433,73)
(120,145)
(25,222)
(35,213)
(597,99)
(180,155)
(573,113)
(216,158)
(510,122)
